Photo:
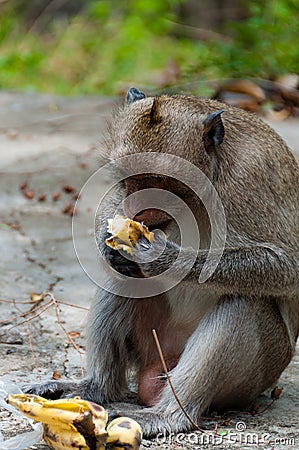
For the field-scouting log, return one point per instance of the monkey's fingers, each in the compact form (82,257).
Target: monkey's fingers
(52,390)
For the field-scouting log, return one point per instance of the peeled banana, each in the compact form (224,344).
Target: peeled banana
(126,232)
(72,423)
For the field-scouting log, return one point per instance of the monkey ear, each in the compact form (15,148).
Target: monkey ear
(133,95)
(213,133)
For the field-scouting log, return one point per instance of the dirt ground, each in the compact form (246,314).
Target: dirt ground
(49,147)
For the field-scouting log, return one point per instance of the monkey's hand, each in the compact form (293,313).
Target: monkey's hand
(123,265)
(54,390)
(156,257)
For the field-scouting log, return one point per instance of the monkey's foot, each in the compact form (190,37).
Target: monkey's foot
(152,421)
(53,390)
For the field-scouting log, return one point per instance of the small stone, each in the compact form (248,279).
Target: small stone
(12,336)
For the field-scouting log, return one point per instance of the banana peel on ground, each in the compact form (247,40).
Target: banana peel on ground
(72,423)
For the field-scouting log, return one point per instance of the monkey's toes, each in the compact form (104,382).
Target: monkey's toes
(151,422)
(51,390)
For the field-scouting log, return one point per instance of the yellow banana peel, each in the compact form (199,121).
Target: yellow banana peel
(126,232)
(72,423)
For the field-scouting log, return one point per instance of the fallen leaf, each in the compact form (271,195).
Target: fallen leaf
(68,209)
(74,334)
(56,196)
(68,189)
(41,198)
(56,375)
(29,193)
(23,185)
(36,297)
(276,393)
(227,422)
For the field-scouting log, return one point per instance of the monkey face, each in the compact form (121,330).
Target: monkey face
(142,184)
(152,217)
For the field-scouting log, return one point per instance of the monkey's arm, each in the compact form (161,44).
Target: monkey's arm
(254,270)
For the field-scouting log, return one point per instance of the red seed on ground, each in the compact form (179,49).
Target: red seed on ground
(29,193)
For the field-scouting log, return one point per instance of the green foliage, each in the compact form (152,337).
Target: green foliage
(113,44)
(265,44)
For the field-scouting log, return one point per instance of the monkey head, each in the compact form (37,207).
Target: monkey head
(163,125)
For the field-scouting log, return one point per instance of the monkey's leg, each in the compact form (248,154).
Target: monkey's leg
(108,343)
(107,357)
(238,350)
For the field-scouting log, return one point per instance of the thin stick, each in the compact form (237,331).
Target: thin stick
(37,310)
(4,300)
(47,306)
(170,382)
(34,308)
(265,408)
(15,302)
(76,347)
(73,306)
(31,345)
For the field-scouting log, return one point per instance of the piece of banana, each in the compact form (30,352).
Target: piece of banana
(72,423)
(68,423)
(126,232)
(124,433)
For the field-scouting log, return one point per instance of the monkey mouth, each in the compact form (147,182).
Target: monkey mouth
(153,218)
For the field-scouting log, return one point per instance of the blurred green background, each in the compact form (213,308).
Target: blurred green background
(99,46)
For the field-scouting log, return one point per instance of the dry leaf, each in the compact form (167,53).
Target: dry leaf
(226,422)
(68,189)
(69,209)
(29,193)
(56,196)
(56,375)
(36,297)
(74,334)
(23,185)
(276,393)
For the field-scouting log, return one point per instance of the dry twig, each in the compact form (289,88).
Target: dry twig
(170,382)
(31,346)
(36,310)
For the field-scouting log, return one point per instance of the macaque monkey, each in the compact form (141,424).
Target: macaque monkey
(225,340)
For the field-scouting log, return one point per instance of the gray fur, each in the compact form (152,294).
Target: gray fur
(245,317)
